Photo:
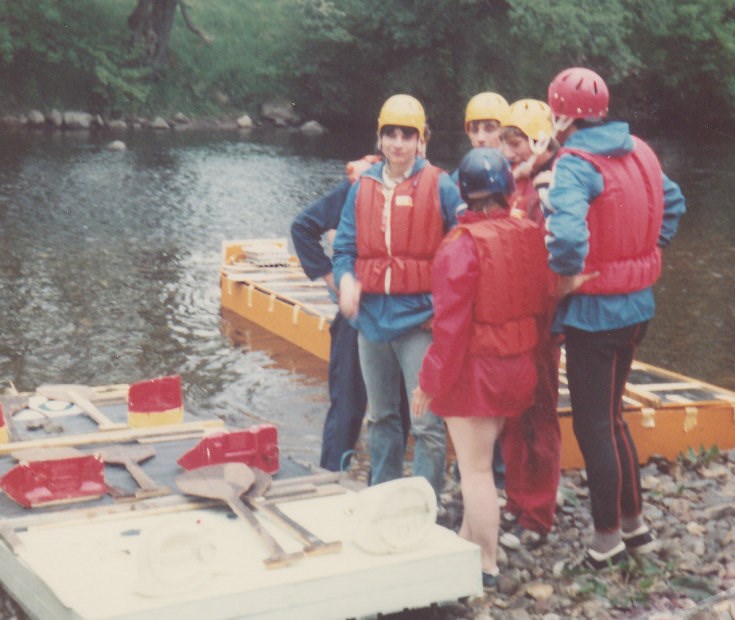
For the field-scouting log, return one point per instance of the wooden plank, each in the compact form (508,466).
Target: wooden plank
(642,395)
(263,279)
(129,434)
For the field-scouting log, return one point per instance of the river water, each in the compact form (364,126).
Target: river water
(109,264)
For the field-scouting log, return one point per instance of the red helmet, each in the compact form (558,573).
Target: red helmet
(578,93)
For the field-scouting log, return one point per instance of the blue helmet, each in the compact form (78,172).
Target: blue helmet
(485,171)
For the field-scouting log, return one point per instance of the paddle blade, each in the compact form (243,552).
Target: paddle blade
(224,481)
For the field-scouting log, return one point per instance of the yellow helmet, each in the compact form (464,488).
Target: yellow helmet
(486,106)
(532,117)
(404,111)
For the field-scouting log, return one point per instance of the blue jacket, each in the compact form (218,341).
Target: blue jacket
(309,226)
(383,318)
(576,183)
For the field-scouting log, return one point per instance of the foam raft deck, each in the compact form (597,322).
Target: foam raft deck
(200,563)
(175,556)
(668,413)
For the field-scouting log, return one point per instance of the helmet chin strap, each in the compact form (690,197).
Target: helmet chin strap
(561,123)
(538,148)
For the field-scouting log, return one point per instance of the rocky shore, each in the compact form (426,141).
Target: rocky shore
(689,504)
(276,114)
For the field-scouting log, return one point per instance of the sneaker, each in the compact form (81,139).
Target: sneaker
(489,581)
(521,537)
(640,541)
(593,561)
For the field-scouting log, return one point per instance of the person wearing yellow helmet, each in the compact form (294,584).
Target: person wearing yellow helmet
(316,223)
(392,223)
(484,115)
(531,443)
(529,146)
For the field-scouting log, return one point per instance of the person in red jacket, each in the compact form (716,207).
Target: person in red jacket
(532,442)
(490,283)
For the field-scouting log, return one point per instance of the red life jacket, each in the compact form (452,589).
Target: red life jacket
(514,286)
(624,222)
(416,229)
(524,202)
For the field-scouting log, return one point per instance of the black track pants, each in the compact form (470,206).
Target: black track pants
(598,364)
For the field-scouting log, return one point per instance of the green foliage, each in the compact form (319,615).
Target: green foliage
(70,49)
(701,458)
(338,60)
(687,47)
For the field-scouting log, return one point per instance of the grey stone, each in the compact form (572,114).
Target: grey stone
(36,118)
(313,128)
(77,120)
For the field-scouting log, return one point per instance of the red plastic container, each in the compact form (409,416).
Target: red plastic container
(37,483)
(256,446)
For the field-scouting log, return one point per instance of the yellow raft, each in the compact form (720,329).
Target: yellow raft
(668,413)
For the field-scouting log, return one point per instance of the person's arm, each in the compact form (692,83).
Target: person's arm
(345,254)
(455,276)
(575,184)
(674,208)
(308,227)
(450,200)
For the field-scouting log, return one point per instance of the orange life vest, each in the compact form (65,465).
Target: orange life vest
(396,246)
(355,168)
(514,285)
(624,222)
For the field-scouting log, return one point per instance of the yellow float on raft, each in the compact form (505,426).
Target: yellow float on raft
(155,402)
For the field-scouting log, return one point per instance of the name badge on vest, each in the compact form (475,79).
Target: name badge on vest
(404,200)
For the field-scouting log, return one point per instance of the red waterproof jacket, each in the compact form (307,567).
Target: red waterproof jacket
(624,222)
(482,359)
(396,243)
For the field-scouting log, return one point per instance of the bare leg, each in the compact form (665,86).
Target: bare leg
(474,439)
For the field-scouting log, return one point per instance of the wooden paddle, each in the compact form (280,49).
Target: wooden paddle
(80,395)
(254,497)
(130,457)
(227,482)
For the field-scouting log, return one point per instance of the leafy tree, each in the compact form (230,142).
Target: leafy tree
(67,49)
(686,48)
(339,59)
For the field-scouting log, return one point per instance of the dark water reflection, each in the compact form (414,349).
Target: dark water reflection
(109,262)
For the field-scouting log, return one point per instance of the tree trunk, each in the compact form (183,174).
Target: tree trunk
(163,15)
(151,22)
(139,22)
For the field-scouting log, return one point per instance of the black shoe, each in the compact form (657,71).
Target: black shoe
(489,582)
(640,541)
(593,561)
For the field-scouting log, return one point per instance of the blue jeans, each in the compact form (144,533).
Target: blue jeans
(382,364)
(347,397)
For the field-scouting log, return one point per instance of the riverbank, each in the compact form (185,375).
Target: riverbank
(275,114)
